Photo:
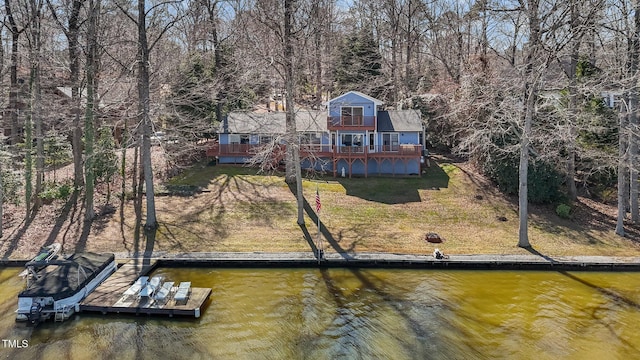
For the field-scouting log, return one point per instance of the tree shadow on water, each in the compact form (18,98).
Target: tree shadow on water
(617,298)
(374,292)
(620,300)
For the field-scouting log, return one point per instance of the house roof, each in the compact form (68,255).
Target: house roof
(374,100)
(399,120)
(315,121)
(275,122)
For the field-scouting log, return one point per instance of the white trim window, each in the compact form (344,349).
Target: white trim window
(390,142)
(311,140)
(265,139)
(352,115)
(354,142)
(239,139)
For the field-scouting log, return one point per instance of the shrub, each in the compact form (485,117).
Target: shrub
(64,190)
(52,191)
(564,211)
(543,179)
(11,183)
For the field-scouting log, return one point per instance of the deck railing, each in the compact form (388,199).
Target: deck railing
(235,149)
(316,148)
(319,150)
(337,122)
(399,149)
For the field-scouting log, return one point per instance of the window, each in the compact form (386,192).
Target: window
(311,138)
(353,141)
(238,139)
(390,142)
(311,141)
(351,115)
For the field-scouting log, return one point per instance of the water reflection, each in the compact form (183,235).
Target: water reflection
(358,314)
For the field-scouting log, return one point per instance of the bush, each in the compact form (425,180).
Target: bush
(11,183)
(543,179)
(64,190)
(53,191)
(564,211)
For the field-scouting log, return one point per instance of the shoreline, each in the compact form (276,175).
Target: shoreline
(375,260)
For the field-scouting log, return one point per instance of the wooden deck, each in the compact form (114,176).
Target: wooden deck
(109,298)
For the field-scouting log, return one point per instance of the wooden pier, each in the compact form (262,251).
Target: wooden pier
(109,296)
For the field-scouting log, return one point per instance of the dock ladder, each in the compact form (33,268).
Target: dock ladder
(59,315)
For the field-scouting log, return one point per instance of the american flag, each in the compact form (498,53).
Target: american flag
(318,204)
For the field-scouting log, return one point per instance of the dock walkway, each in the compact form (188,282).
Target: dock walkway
(109,296)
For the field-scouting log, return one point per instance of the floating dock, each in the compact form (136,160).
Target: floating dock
(109,296)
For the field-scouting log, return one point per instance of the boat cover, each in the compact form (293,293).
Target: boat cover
(62,280)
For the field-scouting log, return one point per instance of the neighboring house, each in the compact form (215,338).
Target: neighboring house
(352,137)
(57,111)
(612,98)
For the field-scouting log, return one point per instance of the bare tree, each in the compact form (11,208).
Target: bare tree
(293,148)
(13,89)
(33,119)
(634,107)
(35,30)
(1,194)
(72,12)
(90,112)
(281,26)
(144,95)
(622,167)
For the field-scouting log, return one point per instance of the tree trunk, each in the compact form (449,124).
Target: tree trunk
(317,48)
(633,154)
(530,88)
(293,153)
(1,199)
(28,159)
(36,105)
(523,170)
(622,170)
(633,117)
(123,163)
(13,90)
(290,173)
(1,145)
(217,55)
(299,194)
(573,102)
(408,81)
(33,116)
(89,119)
(74,67)
(143,115)
(135,183)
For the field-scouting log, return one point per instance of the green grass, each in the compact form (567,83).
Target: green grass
(241,210)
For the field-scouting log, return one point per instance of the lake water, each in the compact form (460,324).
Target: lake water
(357,314)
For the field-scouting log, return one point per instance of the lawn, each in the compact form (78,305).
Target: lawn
(236,209)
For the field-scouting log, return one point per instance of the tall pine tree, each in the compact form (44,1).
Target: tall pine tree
(359,64)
